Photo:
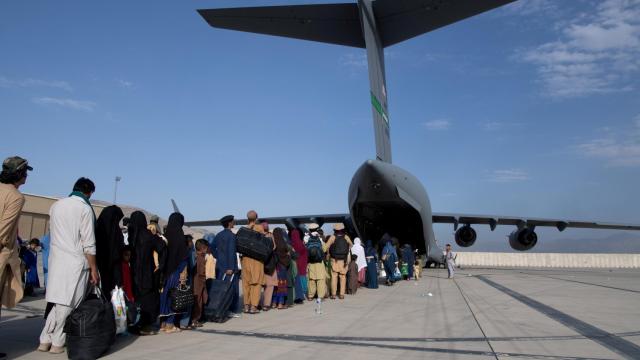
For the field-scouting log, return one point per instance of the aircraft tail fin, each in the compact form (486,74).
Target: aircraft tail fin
(175,206)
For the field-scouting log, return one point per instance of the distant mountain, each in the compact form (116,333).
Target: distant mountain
(620,243)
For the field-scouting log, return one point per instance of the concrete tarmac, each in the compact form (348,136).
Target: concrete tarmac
(481,314)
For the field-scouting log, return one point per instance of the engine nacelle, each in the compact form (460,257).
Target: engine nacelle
(465,236)
(523,239)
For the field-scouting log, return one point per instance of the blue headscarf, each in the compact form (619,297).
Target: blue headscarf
(390,250)
(369,250)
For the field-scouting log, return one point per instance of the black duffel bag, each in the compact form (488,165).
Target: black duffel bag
(253,244)
(90,328)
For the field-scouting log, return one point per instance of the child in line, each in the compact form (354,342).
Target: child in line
(199,282)
(210,268)
(30,258)
(416,270)
(126,274)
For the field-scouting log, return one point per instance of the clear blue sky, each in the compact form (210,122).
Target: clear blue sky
(529,110)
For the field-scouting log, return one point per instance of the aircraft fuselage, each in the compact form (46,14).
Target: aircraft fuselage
(383,198)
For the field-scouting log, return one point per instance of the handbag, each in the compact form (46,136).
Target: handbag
(271,264)
(181,298)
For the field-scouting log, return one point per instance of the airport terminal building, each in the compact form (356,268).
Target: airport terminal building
(34,220)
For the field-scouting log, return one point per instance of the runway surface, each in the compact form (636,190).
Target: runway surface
(481,314)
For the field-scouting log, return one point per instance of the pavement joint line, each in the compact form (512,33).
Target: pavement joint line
(583,282)
(339,341)
(466,301)
(612,342)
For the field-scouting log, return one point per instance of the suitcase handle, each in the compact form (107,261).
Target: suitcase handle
(225,276)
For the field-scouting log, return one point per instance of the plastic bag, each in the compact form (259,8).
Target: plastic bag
(397,275)
(119,309)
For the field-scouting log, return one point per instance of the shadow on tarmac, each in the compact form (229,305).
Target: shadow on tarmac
(373,342)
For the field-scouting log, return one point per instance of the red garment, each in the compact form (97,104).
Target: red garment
(127,284)
(299,247)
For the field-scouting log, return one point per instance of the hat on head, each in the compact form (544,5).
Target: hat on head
(14,164)
(338,226)
(154,219)
(313,227)
(225,220)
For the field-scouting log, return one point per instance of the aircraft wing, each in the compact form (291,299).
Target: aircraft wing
(494,220)
(300,219)
(443,218)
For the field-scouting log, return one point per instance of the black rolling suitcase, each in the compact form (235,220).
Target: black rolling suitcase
(253,244)
(220,298)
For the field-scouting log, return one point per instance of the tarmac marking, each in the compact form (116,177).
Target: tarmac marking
(466,301)
(612,342)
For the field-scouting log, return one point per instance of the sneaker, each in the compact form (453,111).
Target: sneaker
(234,315)
(44,347)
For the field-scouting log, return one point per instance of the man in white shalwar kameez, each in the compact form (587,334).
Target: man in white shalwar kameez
(72,261)
(450,258)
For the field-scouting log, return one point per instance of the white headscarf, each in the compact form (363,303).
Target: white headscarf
(358,251)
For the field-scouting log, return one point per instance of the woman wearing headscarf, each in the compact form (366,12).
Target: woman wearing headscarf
(361,261)
(145,289)
(175,271)
(408,258)
(389,258)
(292,272)
(372,265)
(301,262)
(284,259)
(109,244)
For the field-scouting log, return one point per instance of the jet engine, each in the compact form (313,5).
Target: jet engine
(523,239)
(465,236)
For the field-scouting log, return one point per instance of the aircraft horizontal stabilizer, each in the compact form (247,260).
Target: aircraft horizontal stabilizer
(329,23)
(400,20)
(396,20)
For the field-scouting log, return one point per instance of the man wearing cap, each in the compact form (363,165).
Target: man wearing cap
(252,271)
(316,272)
(339,245)
(13,175)
(227,262)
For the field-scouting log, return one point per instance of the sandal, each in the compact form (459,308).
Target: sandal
(171,330)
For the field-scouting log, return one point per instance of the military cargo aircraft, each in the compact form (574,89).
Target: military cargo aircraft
(384,198)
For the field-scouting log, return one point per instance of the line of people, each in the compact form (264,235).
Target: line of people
(151,265)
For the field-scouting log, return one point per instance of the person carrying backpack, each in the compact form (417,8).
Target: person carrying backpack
(316,272)
(339,246)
